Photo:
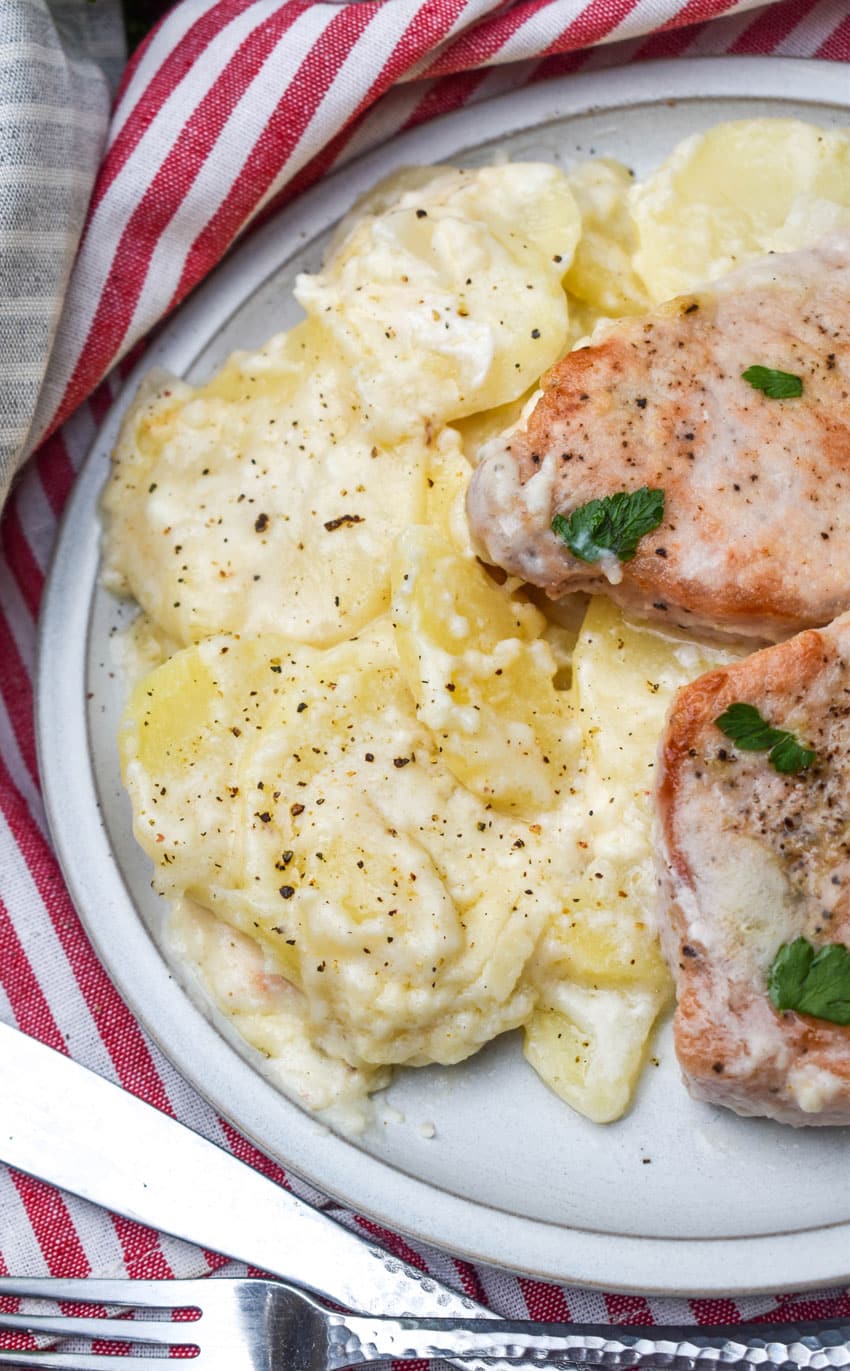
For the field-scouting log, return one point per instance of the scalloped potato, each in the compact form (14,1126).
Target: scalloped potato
(268,499)
(482,676)
(601,977)
(399,805)
(602,279)
(261,501)
(736,192)
(453,290)
(398,903)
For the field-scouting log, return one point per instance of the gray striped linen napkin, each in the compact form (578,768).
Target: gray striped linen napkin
(58,62)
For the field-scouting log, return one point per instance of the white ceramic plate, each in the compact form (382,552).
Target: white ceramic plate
(677,1197)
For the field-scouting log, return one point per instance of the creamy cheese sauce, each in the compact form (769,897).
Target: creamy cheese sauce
(396,809)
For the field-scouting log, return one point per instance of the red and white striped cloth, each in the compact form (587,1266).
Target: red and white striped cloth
(230,108)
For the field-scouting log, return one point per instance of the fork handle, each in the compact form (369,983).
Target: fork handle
(798,1347)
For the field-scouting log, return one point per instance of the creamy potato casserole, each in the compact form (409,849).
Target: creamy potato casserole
(398,802)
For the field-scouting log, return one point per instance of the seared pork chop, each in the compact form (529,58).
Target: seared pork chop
(752,859)
(755,534)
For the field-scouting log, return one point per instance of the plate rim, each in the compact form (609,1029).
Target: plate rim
(802,1259)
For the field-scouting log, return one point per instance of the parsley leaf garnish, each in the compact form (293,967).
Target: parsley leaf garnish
(751,733)
(745,726)
(789,756)
(615,524)
(777,385)
(815,982)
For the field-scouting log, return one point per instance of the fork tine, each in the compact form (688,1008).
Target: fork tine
(73,1361)
(127,1294)
(164,1332)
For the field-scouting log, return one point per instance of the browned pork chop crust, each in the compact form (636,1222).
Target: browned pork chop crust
(750,859)
(756,535)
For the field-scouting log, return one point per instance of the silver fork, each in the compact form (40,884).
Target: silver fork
(257,1325)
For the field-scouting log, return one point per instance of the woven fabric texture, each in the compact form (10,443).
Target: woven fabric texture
(227,110)
(55,98)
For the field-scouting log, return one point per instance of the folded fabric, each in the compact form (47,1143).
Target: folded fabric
(55,98)
(227,110)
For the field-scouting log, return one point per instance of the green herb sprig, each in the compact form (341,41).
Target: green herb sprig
(613,525)
(812,980)
(777,385)
(743,724)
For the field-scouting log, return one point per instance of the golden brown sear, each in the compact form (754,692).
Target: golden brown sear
(755,537)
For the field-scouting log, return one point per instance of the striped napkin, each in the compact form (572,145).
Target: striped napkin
(107,221)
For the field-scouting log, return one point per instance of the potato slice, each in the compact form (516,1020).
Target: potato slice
(182,743)
(598,967)
(482,676)
(589,1047)
(602,278)
(448,481)
(449,301)
(261,502)
(624,677)
(740,190)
